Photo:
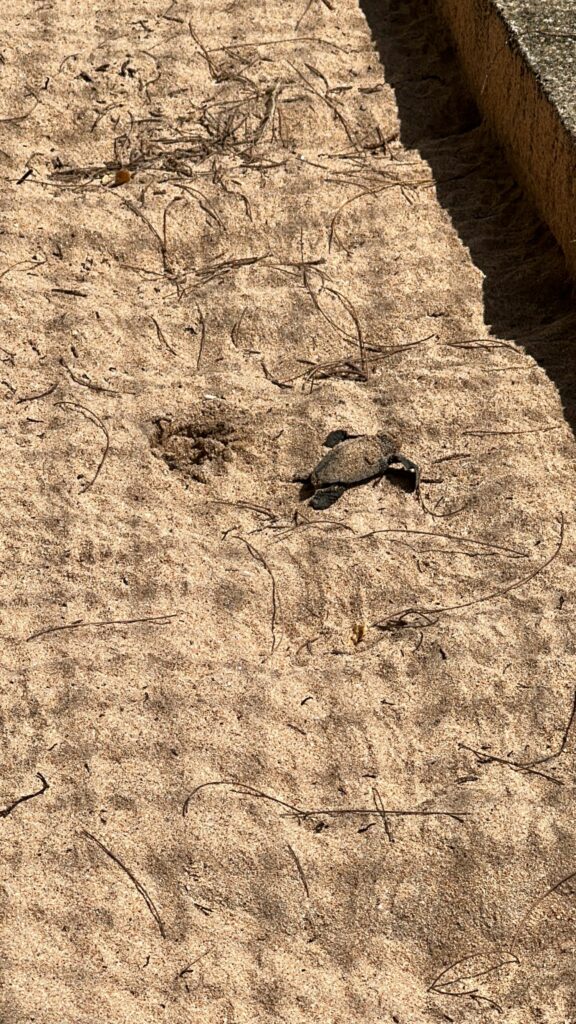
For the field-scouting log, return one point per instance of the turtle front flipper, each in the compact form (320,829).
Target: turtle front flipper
(326,496)
(336,437)
(408,465)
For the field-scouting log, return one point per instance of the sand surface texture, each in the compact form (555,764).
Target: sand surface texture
(290,765)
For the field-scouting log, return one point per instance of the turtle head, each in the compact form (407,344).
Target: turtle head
(406,472)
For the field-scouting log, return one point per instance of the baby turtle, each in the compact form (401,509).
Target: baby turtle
(353,459)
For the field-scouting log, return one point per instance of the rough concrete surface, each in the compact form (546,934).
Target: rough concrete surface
(545,34)
(263,763)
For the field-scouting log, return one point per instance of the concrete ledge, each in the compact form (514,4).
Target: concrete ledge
(519,57)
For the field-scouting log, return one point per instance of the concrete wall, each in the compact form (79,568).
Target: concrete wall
(524,81)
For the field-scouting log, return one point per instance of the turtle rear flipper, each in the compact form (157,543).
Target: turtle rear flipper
(324,497)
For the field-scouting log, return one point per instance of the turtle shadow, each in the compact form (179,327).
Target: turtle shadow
(306,490)
(528,294)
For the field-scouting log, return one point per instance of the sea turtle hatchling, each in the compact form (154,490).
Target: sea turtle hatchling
(352,460)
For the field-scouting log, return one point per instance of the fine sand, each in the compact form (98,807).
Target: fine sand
(302,766)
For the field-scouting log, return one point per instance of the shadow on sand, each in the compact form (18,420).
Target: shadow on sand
(528,296)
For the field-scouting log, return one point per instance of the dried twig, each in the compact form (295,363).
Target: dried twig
(514,552)
(379,805)
(452,457)
(249,505)
(80,624)
(20,117)
(331,104)
(70,291)
(203,201)
(86,383)
(156,234)
(162,337)
(202,336)
(214,71)
(564,740)
(514,765)
(5,811)
(279,42)
(242,789)
(235,332)
(29,264)
(95,419)
(41,394)
(167,208)
(537,903)
(332,234)
(528,766)
(186,970)
(303,15)
(335,812)
(482,343)
(102,113)
(443,515)
(398,620)
(358,337)
(285,384)
(384,352)
(441,983)
(138,885)
(259,557)
(209,272)
(299,870)
(7,357)
(508,433)
(238,194)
